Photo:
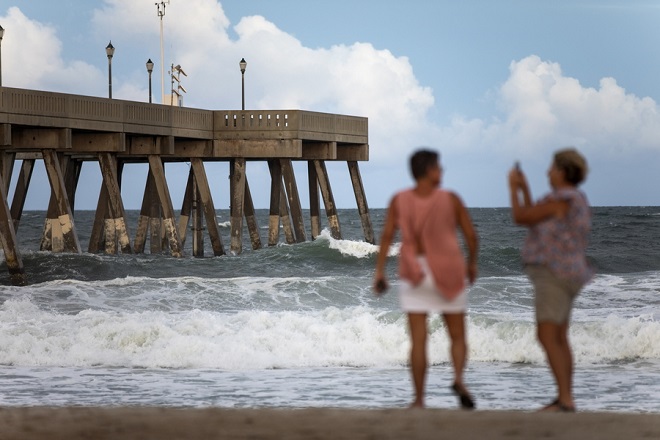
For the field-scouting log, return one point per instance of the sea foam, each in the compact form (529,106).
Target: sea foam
(260,339)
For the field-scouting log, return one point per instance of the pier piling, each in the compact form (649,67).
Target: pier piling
(66,131)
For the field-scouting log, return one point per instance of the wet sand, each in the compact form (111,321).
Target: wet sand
(128,423)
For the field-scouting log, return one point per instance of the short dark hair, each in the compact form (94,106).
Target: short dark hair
(420,162)
(573,164)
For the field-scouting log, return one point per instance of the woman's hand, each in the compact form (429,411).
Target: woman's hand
(380,285)
(517,179)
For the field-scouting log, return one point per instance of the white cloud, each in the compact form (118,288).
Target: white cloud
(543,110)
(540,109)
(32,58)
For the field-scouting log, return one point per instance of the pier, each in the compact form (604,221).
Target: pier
(65,131)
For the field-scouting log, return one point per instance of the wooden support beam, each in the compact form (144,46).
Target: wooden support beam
(109,171)
(144,218)
(71,176)
(206,199)
(361,199)
(5,135)
(6,168)
(41,138)
(10,244)
(319,150)
(186,208)
(155,218)
(237,197)
(285,218)
(65,215)
(251,218)
(197,224)
(274,212)
(97,236)
(20,193)
(257,148)
(294,200)
(148,145)
(314,201)
(99,142)
(328,199)
(156,166)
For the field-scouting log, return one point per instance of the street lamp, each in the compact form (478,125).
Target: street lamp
(2,33)
(150,68)
(242,65)
(110,51)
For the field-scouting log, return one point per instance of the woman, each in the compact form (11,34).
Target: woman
(432,267)
(554,255)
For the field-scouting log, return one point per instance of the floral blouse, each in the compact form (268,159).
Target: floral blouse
(560,243)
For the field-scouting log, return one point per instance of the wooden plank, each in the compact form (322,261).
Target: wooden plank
(361,200)
(251,218)
(10,244)
(274,212)
(237,196)
(294,200)
(65,215)
(328,199)
(209,207)
(20,193)
(156,166)
(314,201)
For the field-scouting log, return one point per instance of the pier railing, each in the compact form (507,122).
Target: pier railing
(49,109)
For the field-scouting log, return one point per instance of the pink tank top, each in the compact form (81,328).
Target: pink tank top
(432,220)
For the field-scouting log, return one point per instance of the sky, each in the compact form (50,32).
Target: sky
(485,82)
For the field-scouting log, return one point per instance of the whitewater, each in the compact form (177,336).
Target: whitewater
(298,326)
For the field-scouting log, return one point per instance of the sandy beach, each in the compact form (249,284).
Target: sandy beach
(127,423)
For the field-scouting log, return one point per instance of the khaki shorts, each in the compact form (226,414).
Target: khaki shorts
(553,296)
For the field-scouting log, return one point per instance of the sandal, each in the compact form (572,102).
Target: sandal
(557,406)
(464,396)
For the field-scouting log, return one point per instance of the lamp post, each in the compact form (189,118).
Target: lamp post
(150,68)
(110,51)
(2,33)
(243,65)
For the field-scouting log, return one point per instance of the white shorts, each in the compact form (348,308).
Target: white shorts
(425,297)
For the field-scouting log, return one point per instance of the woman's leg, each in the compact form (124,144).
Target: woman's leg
(554,339)
(456,328)
(418,362)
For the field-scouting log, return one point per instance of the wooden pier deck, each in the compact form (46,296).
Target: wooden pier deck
(65,131)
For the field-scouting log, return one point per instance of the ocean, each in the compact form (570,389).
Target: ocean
(296,326)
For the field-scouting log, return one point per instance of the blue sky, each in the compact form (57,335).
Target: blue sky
(485,82)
